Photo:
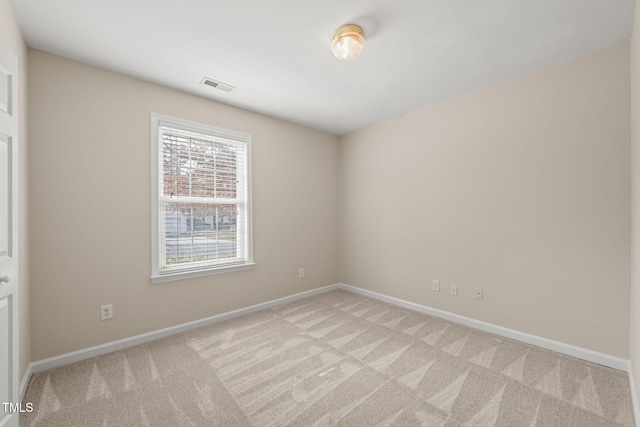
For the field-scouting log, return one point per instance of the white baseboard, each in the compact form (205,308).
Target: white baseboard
(75,356)
(25,381)
(634,394)
(568,349)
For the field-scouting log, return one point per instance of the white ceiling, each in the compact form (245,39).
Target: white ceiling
(276,52)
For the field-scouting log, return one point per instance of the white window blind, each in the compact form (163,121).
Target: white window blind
(203,198)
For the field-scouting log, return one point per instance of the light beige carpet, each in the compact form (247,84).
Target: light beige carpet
(333,359)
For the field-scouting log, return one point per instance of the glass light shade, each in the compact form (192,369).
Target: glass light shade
(348,42)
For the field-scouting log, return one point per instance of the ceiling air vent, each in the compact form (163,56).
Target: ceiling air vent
(218,85)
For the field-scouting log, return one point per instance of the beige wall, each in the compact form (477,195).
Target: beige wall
(11,37)
(521,189)
(635,198)
(90,170)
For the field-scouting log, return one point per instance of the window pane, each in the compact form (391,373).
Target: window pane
(199,233)
(198,168)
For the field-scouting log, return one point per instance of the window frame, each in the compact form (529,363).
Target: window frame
(157,276)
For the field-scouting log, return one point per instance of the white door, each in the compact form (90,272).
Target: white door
(9,394)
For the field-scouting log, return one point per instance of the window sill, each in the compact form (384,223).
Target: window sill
(170,277)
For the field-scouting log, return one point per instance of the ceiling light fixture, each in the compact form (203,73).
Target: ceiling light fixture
(347,42)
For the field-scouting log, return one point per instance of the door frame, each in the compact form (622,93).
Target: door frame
(9,263)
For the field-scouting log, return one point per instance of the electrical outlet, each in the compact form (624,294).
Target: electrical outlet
(435,285)
(453,291)
(301,273)
(479,293)
(106,312)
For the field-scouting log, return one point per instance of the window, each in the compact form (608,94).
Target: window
(201,199)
